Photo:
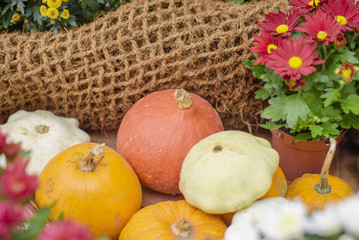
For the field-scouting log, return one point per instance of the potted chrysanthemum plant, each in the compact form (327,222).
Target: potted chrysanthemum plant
(307,58)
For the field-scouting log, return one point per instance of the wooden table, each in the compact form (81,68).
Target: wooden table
(344,165)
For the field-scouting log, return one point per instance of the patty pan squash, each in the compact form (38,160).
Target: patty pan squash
(227,171)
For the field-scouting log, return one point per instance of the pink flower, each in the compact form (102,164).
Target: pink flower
(320,27)
(11,149)
(263,46)
(294,58)
(306,6)
(16,184)
(2,141)
(345,12)
(11,216)
(280,23)
(65,230)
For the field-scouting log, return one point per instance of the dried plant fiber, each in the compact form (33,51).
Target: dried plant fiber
(96,72)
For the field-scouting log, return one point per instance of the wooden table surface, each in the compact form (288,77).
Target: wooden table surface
(344,165)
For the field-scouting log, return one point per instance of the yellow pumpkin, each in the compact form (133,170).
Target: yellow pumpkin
(173,220)
(278,189)
(317,190)
(93,184)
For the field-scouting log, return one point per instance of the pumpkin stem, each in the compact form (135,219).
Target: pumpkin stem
(323,186)
(88,164)
(181,229)
(183,98)
(41,128)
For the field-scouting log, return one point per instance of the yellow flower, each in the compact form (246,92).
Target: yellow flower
(15,17)
(43,10)
(65,14)
(52,13)
(54,3)
(44,1)
(65,0)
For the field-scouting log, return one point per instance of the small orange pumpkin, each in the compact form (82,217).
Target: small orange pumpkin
(173,220)
(92,184)
(278,188)
(317,190)
(158,131)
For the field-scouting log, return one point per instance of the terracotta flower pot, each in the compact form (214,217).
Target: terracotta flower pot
(298,158)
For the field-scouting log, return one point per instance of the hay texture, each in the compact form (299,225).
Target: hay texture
(96,72)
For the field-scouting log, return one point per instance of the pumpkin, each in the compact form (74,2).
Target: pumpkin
(228,171)
(173,220)
(93,184)
(43,134)
(317,190)
(158,131)
(278,189)
(252,215)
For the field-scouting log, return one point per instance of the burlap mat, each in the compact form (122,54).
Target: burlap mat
(96,72)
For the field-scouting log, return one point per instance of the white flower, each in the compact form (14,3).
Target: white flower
(241,232)
(346,237)
(284,222)
(348,213)
(324,222)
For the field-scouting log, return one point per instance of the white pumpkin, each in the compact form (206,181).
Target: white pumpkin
(244,221)
(227,171)
(43,134)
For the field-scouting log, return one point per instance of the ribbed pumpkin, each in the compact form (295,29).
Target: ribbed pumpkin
(158,131)
(93,184)
(278,189)
(317,190)
(173,220)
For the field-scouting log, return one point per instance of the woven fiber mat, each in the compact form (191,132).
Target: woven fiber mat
(96,72)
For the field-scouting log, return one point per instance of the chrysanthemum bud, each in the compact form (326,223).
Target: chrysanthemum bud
(340,41)
(347,71)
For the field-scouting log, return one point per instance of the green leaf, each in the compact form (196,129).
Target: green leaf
(315,130)
(330,129)
(302,137)
(275,110)
(271,126)
(332,95)
(294,108)
(258,70)
(35,225)
(351,103)
(350,120)
(345,55)
(262,94)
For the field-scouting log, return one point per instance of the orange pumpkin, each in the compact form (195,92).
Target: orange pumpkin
(317,190)
(173,220)
(278,189)
(158,131)
(93,184)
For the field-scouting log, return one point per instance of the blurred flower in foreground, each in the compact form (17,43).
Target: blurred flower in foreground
(64,230)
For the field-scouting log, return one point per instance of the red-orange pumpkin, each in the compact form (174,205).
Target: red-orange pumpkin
(158,131)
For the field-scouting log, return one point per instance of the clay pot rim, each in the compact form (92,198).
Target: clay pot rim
(308,145)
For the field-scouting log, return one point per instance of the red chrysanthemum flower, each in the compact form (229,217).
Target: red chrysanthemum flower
(294,58)
(280,23)
(263,46)
(320,27)
(2,141)
(16,184)
(306,6)
(64,230)
(293,84)
(345,12)
(11,216)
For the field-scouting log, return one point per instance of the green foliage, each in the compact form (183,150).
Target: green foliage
(25,15)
